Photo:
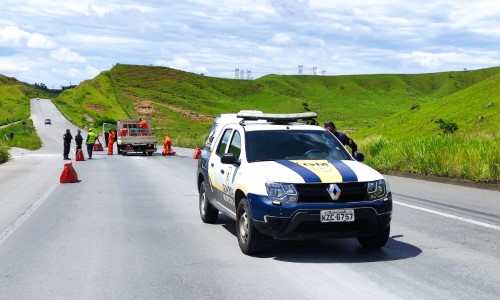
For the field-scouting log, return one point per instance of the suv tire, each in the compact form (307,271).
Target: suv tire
(375,241)
(208,213)
(251,241)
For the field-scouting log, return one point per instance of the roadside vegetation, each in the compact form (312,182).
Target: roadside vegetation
(15,99)
(435,123)
(22,135)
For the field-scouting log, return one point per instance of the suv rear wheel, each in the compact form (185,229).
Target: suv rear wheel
(375,241)
(208,213)
(251,241)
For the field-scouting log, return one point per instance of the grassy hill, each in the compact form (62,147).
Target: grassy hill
(182,104)
(15,107)
(475,110)
(14,99)
(391,117)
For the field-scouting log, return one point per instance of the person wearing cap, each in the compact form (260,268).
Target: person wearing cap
(78,140)
(344,139)
(90,142)
(67,137)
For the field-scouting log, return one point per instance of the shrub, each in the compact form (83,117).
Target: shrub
(447,127)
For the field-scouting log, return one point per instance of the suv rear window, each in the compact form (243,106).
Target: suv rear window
(293,145)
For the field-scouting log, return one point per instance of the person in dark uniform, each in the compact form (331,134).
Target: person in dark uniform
(344,139)
(78,140)
(67,137)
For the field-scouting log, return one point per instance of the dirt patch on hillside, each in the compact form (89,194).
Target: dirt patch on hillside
(146,107)
(188,114)
(96,107)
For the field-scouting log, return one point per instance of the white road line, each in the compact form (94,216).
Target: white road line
(26,214)
(449,216)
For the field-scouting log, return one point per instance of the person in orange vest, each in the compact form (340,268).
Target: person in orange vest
(143,124)
(167,150)
(111,140)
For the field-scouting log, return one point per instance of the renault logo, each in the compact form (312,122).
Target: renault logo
(334,191)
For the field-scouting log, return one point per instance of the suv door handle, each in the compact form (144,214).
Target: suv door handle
(222,171)
(212,164)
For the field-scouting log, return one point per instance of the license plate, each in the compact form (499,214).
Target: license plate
(338,215)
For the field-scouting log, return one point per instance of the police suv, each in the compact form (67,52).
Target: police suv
(278,178)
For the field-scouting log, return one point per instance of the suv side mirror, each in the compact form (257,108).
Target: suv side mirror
(359,156)
(229,159)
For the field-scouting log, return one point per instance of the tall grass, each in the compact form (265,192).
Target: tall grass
(446,156)
(4,152)
(24,136)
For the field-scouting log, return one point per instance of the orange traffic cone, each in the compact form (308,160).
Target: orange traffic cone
(68,174)
(79,155)
(197,153)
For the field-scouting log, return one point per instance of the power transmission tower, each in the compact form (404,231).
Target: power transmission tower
(242,74)
(249,73)
(236,73)
(300,69)
(323,72)
(315,69)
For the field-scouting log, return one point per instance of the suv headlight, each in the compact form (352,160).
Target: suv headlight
(376,189)
(285,192)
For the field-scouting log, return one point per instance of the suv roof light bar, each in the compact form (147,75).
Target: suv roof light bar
(249,115)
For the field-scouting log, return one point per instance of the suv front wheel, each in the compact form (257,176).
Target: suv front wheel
(375,241)
(251,241)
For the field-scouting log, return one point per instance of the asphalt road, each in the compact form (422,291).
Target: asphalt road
(130,229)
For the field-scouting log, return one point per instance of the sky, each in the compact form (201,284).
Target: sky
(60,43)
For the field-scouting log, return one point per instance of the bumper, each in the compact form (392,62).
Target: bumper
(302,221)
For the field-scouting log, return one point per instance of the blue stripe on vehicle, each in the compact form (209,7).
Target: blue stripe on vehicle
(306,174)
(347,173)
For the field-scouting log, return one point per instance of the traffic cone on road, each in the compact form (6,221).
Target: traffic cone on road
(79,155)
(68,174)
(197,153)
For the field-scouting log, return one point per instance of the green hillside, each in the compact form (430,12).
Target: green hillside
(14,99)
(475,110)
(182,104)
(443,124)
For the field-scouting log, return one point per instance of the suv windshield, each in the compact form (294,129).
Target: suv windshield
(293,145)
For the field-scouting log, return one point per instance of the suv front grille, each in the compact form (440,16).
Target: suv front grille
(318,192)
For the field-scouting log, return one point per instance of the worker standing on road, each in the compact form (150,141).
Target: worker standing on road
(67,137)
(90,142)
(111,140)
(344,139)
(78,140)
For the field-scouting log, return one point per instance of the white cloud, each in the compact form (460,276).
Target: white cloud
(39,41)
(12,36)
(281,39)
(12,65)
(66,55)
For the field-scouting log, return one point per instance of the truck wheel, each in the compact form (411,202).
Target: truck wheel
(375,241)
(208,213)
(251,241)
(118,150)
(144,153)
(150,153)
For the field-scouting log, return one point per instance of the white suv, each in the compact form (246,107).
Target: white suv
(287,180)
